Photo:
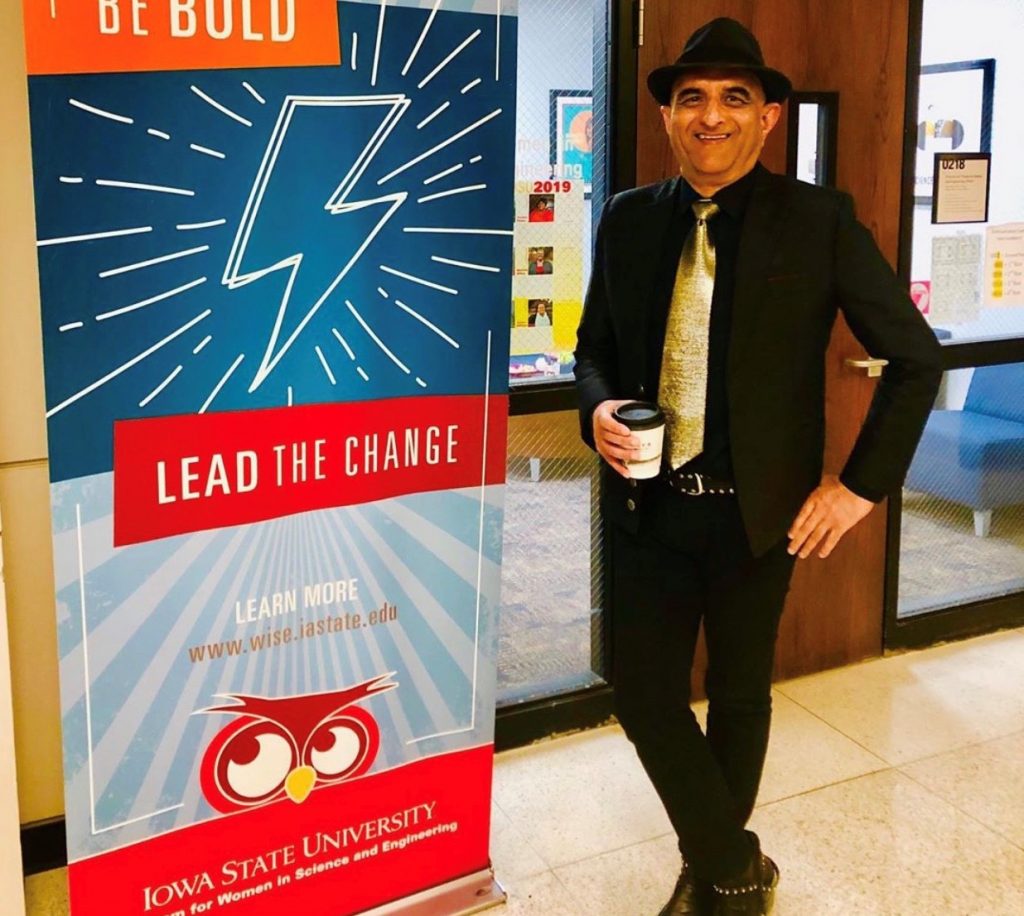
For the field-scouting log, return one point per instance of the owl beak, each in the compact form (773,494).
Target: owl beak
(300,783)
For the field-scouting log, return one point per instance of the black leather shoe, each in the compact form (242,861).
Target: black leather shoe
(749,894)
(690,898)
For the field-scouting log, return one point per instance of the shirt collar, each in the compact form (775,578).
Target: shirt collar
(732,199)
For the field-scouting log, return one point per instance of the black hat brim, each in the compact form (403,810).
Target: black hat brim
(777,86)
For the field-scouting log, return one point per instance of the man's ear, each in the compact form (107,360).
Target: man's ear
(770,115)
(666,117)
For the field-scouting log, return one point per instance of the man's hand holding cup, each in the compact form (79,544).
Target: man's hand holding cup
(629,436)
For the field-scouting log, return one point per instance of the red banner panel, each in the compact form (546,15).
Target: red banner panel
(197,472)
(344,849)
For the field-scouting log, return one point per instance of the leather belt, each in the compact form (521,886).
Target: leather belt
(692,483)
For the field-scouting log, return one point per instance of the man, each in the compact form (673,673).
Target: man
(714,294)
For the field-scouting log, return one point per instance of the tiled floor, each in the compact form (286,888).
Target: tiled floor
(892,788)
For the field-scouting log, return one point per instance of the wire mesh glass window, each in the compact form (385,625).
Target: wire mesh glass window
(962,531)
(962,537)
(560,141)
(552,592)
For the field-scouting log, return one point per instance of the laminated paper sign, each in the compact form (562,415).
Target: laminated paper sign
(1004,265)
(275,256)
(956,279)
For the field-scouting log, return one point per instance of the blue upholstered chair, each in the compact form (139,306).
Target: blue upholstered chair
(975,456)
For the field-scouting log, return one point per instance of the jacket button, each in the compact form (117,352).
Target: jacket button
(641,390)
(630,505)
(632,482)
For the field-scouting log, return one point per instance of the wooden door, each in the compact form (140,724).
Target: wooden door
(835,609)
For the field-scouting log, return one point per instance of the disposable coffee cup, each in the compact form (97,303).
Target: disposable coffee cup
(646,421)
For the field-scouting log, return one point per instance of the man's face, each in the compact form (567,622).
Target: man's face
(717,123)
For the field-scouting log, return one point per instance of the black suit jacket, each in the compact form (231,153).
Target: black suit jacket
(802,255)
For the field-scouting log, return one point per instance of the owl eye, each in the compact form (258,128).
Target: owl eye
(337,748)
(258,764)
(343,746)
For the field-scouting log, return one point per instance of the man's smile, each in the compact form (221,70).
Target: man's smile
(713,138)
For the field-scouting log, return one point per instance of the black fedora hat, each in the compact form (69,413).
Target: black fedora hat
(722,44)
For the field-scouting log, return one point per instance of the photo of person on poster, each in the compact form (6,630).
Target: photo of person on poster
(541,261)
(542,208)
(540,313)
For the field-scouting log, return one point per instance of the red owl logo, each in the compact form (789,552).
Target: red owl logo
(288,746)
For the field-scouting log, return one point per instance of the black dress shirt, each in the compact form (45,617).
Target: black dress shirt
(724,230)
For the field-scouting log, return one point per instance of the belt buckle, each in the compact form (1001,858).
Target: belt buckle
(700,484)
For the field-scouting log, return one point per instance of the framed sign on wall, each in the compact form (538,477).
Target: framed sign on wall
(572,135)
(954,116)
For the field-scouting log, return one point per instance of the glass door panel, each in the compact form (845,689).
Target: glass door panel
(551,629)
(962,537)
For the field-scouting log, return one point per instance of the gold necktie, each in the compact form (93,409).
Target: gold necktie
(684,363)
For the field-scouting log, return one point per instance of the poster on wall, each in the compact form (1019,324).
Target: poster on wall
(954,116)
(547,285)
(955,291)
(572,135)
(1004,265)
(275,251)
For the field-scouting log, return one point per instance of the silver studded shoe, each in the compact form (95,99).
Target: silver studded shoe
(691,897)
(752,894)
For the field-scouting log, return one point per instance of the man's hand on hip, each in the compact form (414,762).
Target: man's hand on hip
(829,512)
(613,441)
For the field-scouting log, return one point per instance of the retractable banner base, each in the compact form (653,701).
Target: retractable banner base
(462,897)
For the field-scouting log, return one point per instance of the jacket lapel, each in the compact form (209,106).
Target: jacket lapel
(763,226)
(647,252)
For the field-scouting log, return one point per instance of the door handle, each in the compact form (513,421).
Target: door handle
(872,367)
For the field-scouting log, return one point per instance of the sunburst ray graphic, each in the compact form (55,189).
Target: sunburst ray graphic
(212,239)
(135,773)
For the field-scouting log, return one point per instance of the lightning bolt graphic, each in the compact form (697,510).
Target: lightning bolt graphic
(269,220)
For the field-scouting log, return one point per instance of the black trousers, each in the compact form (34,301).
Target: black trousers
(690,561)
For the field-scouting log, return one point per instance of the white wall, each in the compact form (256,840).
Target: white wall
(11,889)
(24,477)
(556,51)
(955,30)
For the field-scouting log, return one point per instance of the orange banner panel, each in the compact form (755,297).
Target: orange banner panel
(120,36)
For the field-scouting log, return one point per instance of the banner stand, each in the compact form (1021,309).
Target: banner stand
(462,897)
(275,275)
